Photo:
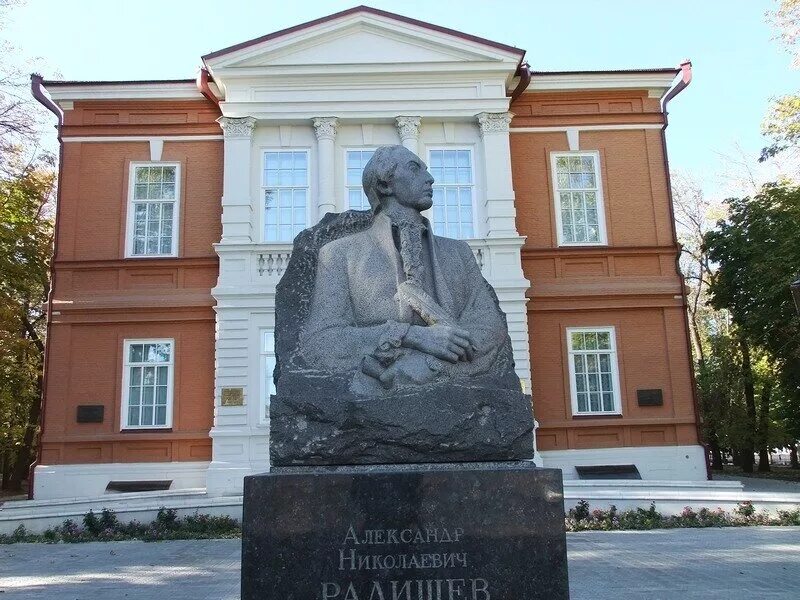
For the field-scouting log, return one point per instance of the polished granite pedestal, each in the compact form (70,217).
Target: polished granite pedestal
(472,531)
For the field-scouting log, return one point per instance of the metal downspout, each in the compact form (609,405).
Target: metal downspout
(686,79)
(38,92)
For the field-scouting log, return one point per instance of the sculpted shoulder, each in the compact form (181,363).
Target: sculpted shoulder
(455,247)
(340,250)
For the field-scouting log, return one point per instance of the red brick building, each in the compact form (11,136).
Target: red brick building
(178,202)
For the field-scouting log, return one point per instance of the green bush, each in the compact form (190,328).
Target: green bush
(107,527)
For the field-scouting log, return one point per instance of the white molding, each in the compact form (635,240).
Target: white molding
(566,128)
(600,199)
(614,370)
(261,214)
(601,81)
(574,139)
(662,463)
(90,479)
(477,232)
(156,149)
(176,211)
(126,366)
(125,91)
(344,151)
(143,138)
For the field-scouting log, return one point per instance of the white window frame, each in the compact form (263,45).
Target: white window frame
(262,186)
(601,205)
(266,362)
(614,369)
(126,374)
(176,211)
(473,185)
(347,188)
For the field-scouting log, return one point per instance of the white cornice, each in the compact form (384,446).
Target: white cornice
(605,127)
(601,81)
(124,91)
(142,138)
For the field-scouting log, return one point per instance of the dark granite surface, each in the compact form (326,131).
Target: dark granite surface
(490,531)
(437,424)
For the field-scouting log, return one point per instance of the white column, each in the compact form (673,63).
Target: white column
(236,203)
(325,128)
(408,128)
(500,212)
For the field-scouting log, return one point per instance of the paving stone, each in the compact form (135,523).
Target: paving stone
(753,563)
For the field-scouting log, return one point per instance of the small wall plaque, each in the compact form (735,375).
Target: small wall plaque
(650,397)
(232,397)
(90,413)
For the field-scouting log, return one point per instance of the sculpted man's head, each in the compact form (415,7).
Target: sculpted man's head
(394,173)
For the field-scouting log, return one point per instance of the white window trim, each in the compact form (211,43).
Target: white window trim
(176,212)
(262,216)
(614,370)
(474,184)
(266,355)
(345,187)
(126,374)
(601,204)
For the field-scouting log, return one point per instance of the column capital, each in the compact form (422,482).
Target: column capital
(325,127)
(237,127)
(408,127)
(494,122)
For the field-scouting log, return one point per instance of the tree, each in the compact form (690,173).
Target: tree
(26,234)
(757,254)
(27,178)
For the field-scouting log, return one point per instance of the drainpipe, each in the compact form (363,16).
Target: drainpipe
(39,93)
(203,78)
(524,71)
(686,79)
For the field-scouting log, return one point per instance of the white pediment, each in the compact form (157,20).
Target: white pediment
(361,39)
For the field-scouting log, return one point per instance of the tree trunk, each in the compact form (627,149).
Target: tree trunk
(25,454)
(763,428)
(793,462)
(716,454)
(748,443)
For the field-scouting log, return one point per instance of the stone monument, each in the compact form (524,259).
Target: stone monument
(400,438)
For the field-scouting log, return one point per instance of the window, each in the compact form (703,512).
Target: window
(356,161)
(594,376)
(153,210)
(579,198)
(267,368)
(147,384)
(285,188)
(452,192)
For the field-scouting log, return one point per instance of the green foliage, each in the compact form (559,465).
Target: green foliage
(581,518)
(26,233)
(107,527)
(757,255)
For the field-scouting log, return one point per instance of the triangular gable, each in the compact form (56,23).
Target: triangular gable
(362,35)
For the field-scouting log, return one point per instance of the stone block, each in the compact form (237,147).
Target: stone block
(470,531)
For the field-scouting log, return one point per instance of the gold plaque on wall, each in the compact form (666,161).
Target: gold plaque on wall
(232,397)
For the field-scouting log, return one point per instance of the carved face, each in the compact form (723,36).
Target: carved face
(412,184)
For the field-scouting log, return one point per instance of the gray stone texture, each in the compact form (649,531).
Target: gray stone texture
(746,563)
(438,424)
(475,531)
(391,346)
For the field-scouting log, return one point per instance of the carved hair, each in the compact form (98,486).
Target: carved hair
(380,169)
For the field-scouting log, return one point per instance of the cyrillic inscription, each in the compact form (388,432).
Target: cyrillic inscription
(431,548)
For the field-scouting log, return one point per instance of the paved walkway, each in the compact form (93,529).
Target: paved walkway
(756,563)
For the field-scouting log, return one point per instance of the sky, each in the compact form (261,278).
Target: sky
(737,66)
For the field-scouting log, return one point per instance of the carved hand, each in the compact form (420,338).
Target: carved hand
(442,341)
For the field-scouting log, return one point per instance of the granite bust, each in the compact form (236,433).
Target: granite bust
(380,322)
(398,306)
